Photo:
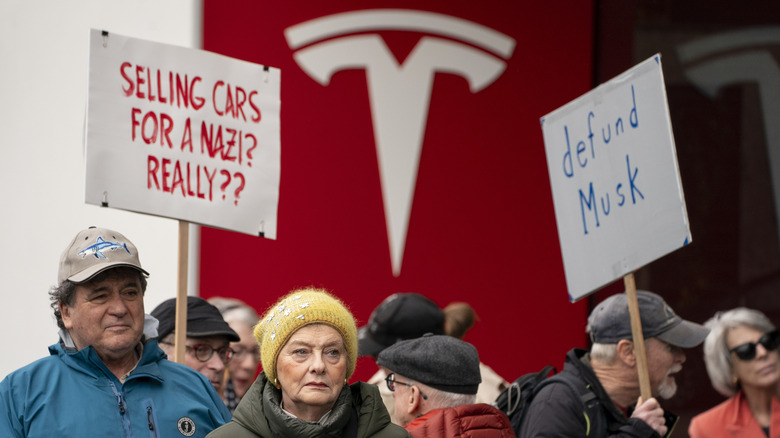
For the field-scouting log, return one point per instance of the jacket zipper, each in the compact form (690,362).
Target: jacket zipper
(150,420)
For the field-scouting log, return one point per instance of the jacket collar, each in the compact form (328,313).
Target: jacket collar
(261,402)
(88,362)
(741,418)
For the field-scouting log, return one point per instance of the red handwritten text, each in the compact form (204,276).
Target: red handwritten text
(229,101)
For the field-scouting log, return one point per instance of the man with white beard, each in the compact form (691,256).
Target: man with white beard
(611,405)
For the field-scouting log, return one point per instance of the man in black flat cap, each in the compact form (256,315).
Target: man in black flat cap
(398,317)
(434,381)
(207,347)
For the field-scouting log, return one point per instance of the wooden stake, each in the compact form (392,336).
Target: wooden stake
(639,339)
(180,329)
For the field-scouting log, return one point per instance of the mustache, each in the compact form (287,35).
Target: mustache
(676,368)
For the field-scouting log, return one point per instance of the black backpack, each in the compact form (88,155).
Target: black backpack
(515,399)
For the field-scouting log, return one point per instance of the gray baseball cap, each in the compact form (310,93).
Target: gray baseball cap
(610,322)
(93,251)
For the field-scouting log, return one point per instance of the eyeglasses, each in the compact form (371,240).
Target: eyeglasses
(241,353)
(203,352)
(770,341)
(391,382)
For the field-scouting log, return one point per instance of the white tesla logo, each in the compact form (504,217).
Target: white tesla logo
(742,56)
(399,94)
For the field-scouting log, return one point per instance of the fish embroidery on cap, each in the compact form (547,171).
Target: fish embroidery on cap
(102,245)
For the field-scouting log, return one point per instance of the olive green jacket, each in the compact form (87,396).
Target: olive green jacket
(357,413)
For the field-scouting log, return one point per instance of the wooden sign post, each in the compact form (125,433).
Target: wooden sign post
(180,329)
(638,337)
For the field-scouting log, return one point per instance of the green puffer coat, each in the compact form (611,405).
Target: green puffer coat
(357,413)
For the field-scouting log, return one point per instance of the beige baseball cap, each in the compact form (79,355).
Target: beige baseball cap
(93,251)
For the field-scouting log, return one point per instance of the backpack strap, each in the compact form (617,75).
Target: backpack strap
(511,398)
(588,398)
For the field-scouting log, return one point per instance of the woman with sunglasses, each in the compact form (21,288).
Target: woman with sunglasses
(742,359)
(308,349)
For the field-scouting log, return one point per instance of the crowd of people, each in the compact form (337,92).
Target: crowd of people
(286,373)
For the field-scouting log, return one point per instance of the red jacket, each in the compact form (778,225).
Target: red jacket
(466,421)
(733,418)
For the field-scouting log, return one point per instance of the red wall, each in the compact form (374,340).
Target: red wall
(482,226)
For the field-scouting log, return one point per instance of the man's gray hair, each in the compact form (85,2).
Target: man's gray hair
(235,310)
(442,399)
(717,356)
(605,353)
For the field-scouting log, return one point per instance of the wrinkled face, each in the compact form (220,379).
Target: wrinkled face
(246,359)
(663,361)
(760,372)
(213,368)
(107,313)
(401,400)
(311,368)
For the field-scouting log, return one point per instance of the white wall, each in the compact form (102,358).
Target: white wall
(43,86)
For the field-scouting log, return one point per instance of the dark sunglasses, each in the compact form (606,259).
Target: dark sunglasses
(770,341)
(391,382)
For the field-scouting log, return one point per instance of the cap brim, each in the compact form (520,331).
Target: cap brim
(94,270)
(366,345)
(685,335)
(231,335)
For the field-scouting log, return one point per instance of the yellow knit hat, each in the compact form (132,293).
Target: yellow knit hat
(298,309)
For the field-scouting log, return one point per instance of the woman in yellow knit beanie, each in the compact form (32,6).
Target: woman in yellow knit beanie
(308,349)
(299,309)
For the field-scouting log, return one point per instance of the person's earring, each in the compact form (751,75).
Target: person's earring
(735,380)
(345,382)
(276,383)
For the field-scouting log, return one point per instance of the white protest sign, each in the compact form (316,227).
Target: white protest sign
(616,186)
(182,133)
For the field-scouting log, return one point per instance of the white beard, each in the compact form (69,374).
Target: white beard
(666,390)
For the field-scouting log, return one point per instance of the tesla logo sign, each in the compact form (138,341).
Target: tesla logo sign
(742,56)
(399,94)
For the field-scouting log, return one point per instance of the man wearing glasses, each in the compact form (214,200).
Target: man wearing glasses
(434,381)
(207,348)
(106,376)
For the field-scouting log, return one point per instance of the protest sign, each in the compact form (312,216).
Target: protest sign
(616,185)
(182,133)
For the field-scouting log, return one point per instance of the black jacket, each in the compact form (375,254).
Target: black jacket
(557,411)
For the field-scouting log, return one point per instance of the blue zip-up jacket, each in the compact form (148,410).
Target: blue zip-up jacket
(73,394)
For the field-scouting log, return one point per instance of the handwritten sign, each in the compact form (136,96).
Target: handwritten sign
(616,185)
(183,133)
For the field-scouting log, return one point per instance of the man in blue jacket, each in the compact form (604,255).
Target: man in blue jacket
(106,376)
